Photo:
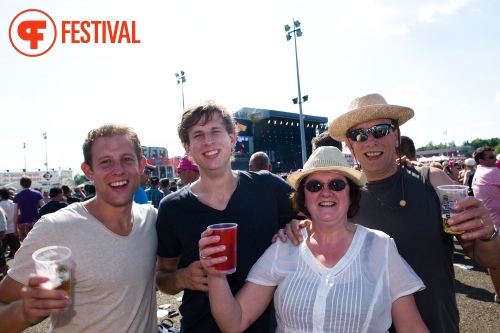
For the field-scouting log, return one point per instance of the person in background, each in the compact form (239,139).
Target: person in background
(165,185)
(450,170)
(113,284)
(90,192)
(330,272)
(259,161)
(470,170)
(140,196)
(46,196)
(26,205)
(188,171)
(153,193)
(78,193)
(371,128)
(255,200)
(11,240)
(486,187)
(324,139)
(3,228)
(56,202)
(408,150)
(69,195)
(173,186)
(497,163)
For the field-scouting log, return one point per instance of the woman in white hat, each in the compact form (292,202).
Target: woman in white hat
(342,278)
(470,170)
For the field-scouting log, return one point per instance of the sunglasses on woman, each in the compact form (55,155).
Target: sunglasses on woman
(316,186)
(378,131)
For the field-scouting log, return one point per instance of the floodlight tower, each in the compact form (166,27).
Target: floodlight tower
(297,32)
(181,78)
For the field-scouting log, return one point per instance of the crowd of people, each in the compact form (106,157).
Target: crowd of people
(330,249)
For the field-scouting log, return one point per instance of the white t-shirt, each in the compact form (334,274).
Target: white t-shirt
(8,207)
(3,220)
(112,285)
(355,295)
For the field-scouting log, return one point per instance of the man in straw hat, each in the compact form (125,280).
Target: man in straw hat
(403,203)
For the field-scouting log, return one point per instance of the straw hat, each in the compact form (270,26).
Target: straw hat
(367,108)
(327,158)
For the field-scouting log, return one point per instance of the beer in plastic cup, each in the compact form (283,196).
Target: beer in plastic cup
(54,262)
(228,236)
(449,195)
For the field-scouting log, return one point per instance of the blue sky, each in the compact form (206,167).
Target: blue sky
(438,57)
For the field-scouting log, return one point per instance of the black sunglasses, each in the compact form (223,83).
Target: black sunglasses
(378,131)
(316,186)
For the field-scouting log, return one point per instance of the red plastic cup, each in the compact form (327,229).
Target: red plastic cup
(228,233)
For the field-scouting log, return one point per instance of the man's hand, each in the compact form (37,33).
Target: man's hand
(292,231)
(475,221)
(477,225)
(38,303)
(404,161)
(194,277)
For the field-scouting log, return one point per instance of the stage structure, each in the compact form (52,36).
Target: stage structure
(277,133)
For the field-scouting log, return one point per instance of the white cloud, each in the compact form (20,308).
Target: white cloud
(394,17)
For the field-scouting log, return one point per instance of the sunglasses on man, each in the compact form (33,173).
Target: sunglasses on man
(378,131)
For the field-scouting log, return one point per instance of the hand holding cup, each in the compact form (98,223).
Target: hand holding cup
(221,258)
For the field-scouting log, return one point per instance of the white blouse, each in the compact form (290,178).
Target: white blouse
(353,296)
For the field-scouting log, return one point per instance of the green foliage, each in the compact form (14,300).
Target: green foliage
(432,146)
(476,143)
(493,142)
(80,179)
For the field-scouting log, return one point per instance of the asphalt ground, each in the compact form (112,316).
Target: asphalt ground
(478,312)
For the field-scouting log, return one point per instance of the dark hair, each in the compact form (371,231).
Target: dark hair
(55,191)
(408,148)
(65,189)
(478,154)
(4,193)
(91,189)
(109,130)
(298,198)
(164,182)
(203,113)
(25,181)
(324,139)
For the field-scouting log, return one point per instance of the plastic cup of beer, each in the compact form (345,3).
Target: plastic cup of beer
(54,262)
(228,233)
(449,195)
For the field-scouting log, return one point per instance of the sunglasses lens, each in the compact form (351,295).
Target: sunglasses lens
(380,131)
(314,186)
(359,135)
(336,185)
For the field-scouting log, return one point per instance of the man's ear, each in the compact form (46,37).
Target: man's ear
(87,170)
(233,137)
(397,136)
(186,148)
(142,163)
